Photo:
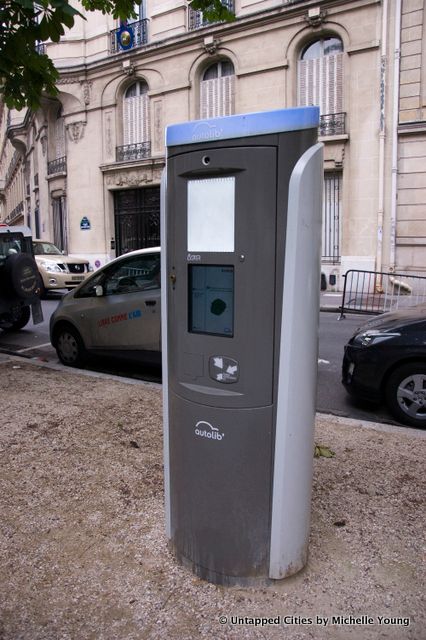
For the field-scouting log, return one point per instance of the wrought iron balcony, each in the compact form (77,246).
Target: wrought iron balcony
(129,36)
(130,152)
(59,165)
(196,20)
(332,124)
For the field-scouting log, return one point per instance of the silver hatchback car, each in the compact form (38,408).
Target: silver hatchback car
(115,312)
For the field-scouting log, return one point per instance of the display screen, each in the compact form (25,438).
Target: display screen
(211,215)
(211,299)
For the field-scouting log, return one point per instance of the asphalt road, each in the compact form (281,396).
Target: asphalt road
(33,342)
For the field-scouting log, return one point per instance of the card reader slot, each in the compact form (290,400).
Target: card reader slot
(209,391)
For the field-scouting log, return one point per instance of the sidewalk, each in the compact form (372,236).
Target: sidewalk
(83,553)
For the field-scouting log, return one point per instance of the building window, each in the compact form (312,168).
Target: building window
(140,10)
(196,19)
(332,204)
(217,90)
(136,123)
(320,76)
(131,33)
(59,135)
(60,227)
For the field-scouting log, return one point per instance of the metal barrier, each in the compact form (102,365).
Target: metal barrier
(374,292)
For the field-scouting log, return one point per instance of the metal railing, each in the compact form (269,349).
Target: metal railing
(332,124)
(139,36)
(374,292)
(137,151)
(196,19)
(59,165)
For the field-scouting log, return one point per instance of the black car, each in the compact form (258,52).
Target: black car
(385,360)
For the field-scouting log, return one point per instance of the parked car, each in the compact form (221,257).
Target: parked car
(385,360)
(19,279)
(115,312)
(57,269)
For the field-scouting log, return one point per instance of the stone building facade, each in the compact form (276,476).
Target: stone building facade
(84,170)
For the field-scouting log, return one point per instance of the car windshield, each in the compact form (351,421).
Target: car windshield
(9,244)
(46,249)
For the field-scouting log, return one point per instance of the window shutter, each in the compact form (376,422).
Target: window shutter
(320,82)
(60,138)
(136,121)
(228,92)
(217,97)
(209,98)
(144,119)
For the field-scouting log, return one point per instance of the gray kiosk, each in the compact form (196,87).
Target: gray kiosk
(241,233)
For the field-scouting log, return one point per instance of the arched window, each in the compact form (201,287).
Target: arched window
(136,126)
(320,75)
(217,90)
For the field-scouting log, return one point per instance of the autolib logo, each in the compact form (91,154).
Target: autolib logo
(206,131)
(204,429)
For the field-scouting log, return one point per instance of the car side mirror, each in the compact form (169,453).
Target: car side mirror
(99,291)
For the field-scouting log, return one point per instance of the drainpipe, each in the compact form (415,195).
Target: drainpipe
(382,140)
(395,120)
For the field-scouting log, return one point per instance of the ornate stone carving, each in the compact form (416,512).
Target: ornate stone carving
(43,140)
(315,17)
(75,130)
(158,125)
(86,87)
(132,178)
(67,80)
(108,134)
(210,46)
(129,70)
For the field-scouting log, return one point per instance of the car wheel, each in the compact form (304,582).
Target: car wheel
(406,394)
(22,276)
(69,347)
(18,319)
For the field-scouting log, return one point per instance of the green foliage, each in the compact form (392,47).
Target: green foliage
(25,73)
(213,10)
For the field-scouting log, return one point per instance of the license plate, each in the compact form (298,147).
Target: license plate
(77,278)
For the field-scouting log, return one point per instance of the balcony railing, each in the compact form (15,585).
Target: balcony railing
(18,212)
(129,152)
(332,124)
(40,48)
(196,19)
(129,36)
(59,165)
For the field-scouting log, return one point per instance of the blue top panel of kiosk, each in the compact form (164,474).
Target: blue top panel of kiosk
(241,126)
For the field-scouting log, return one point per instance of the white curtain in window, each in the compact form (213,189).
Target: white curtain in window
(217,97)
(320,83)
(136,119)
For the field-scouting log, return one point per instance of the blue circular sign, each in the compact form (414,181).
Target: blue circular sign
(125,37)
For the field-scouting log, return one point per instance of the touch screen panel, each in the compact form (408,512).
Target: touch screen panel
(211,215)
(211,299)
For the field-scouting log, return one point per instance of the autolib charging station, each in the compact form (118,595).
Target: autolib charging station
(241,235)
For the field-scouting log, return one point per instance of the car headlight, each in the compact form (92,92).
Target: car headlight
(51,267)
(373,336)
(89,268)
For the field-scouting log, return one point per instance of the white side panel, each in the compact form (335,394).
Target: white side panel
(294,443)
(164,350)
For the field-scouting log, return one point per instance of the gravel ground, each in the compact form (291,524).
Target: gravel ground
(82,548)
